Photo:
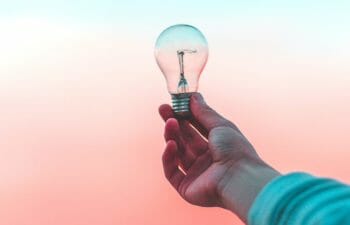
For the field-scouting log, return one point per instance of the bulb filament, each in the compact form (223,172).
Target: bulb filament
(183,85)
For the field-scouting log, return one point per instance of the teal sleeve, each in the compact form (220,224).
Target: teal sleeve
(301,199)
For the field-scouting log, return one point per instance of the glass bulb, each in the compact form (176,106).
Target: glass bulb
(181,52)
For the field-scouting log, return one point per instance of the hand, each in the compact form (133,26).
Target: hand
(204,154)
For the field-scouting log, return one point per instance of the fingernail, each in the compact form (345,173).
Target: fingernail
(172,120)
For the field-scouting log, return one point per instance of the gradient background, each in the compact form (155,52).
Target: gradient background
(80,136)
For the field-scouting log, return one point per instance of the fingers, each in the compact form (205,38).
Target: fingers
(166,112)
(203,131)
(205,117)
(199,166)
(170,165)
(192,140)
(172,132)
(175,176)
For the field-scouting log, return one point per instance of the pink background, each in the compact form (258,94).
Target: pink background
(81,139)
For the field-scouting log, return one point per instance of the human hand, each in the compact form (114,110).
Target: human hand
(212,155)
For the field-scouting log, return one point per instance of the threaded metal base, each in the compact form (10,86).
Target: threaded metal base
(181,104)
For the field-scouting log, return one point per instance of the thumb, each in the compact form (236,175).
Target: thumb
(205,116)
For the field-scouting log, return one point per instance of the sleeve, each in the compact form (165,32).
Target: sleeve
(301,199)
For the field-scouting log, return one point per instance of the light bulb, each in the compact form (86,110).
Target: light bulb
(181,52)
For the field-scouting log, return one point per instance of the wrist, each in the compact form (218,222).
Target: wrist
(241,184)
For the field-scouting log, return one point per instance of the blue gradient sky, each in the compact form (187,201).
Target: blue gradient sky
(154,11)
(321,21)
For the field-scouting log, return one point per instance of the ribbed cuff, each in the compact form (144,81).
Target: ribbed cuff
(277,192)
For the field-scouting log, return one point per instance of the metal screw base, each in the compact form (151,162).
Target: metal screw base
(181,104)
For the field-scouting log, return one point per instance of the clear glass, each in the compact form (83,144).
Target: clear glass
(181,52)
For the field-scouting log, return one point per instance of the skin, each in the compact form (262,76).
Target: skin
(209,162)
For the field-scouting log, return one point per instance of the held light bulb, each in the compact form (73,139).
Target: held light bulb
(181,52)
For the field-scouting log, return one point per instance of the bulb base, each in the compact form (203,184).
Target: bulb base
(181,104)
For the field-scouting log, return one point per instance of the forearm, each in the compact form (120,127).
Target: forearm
(245,180)
(299,198)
